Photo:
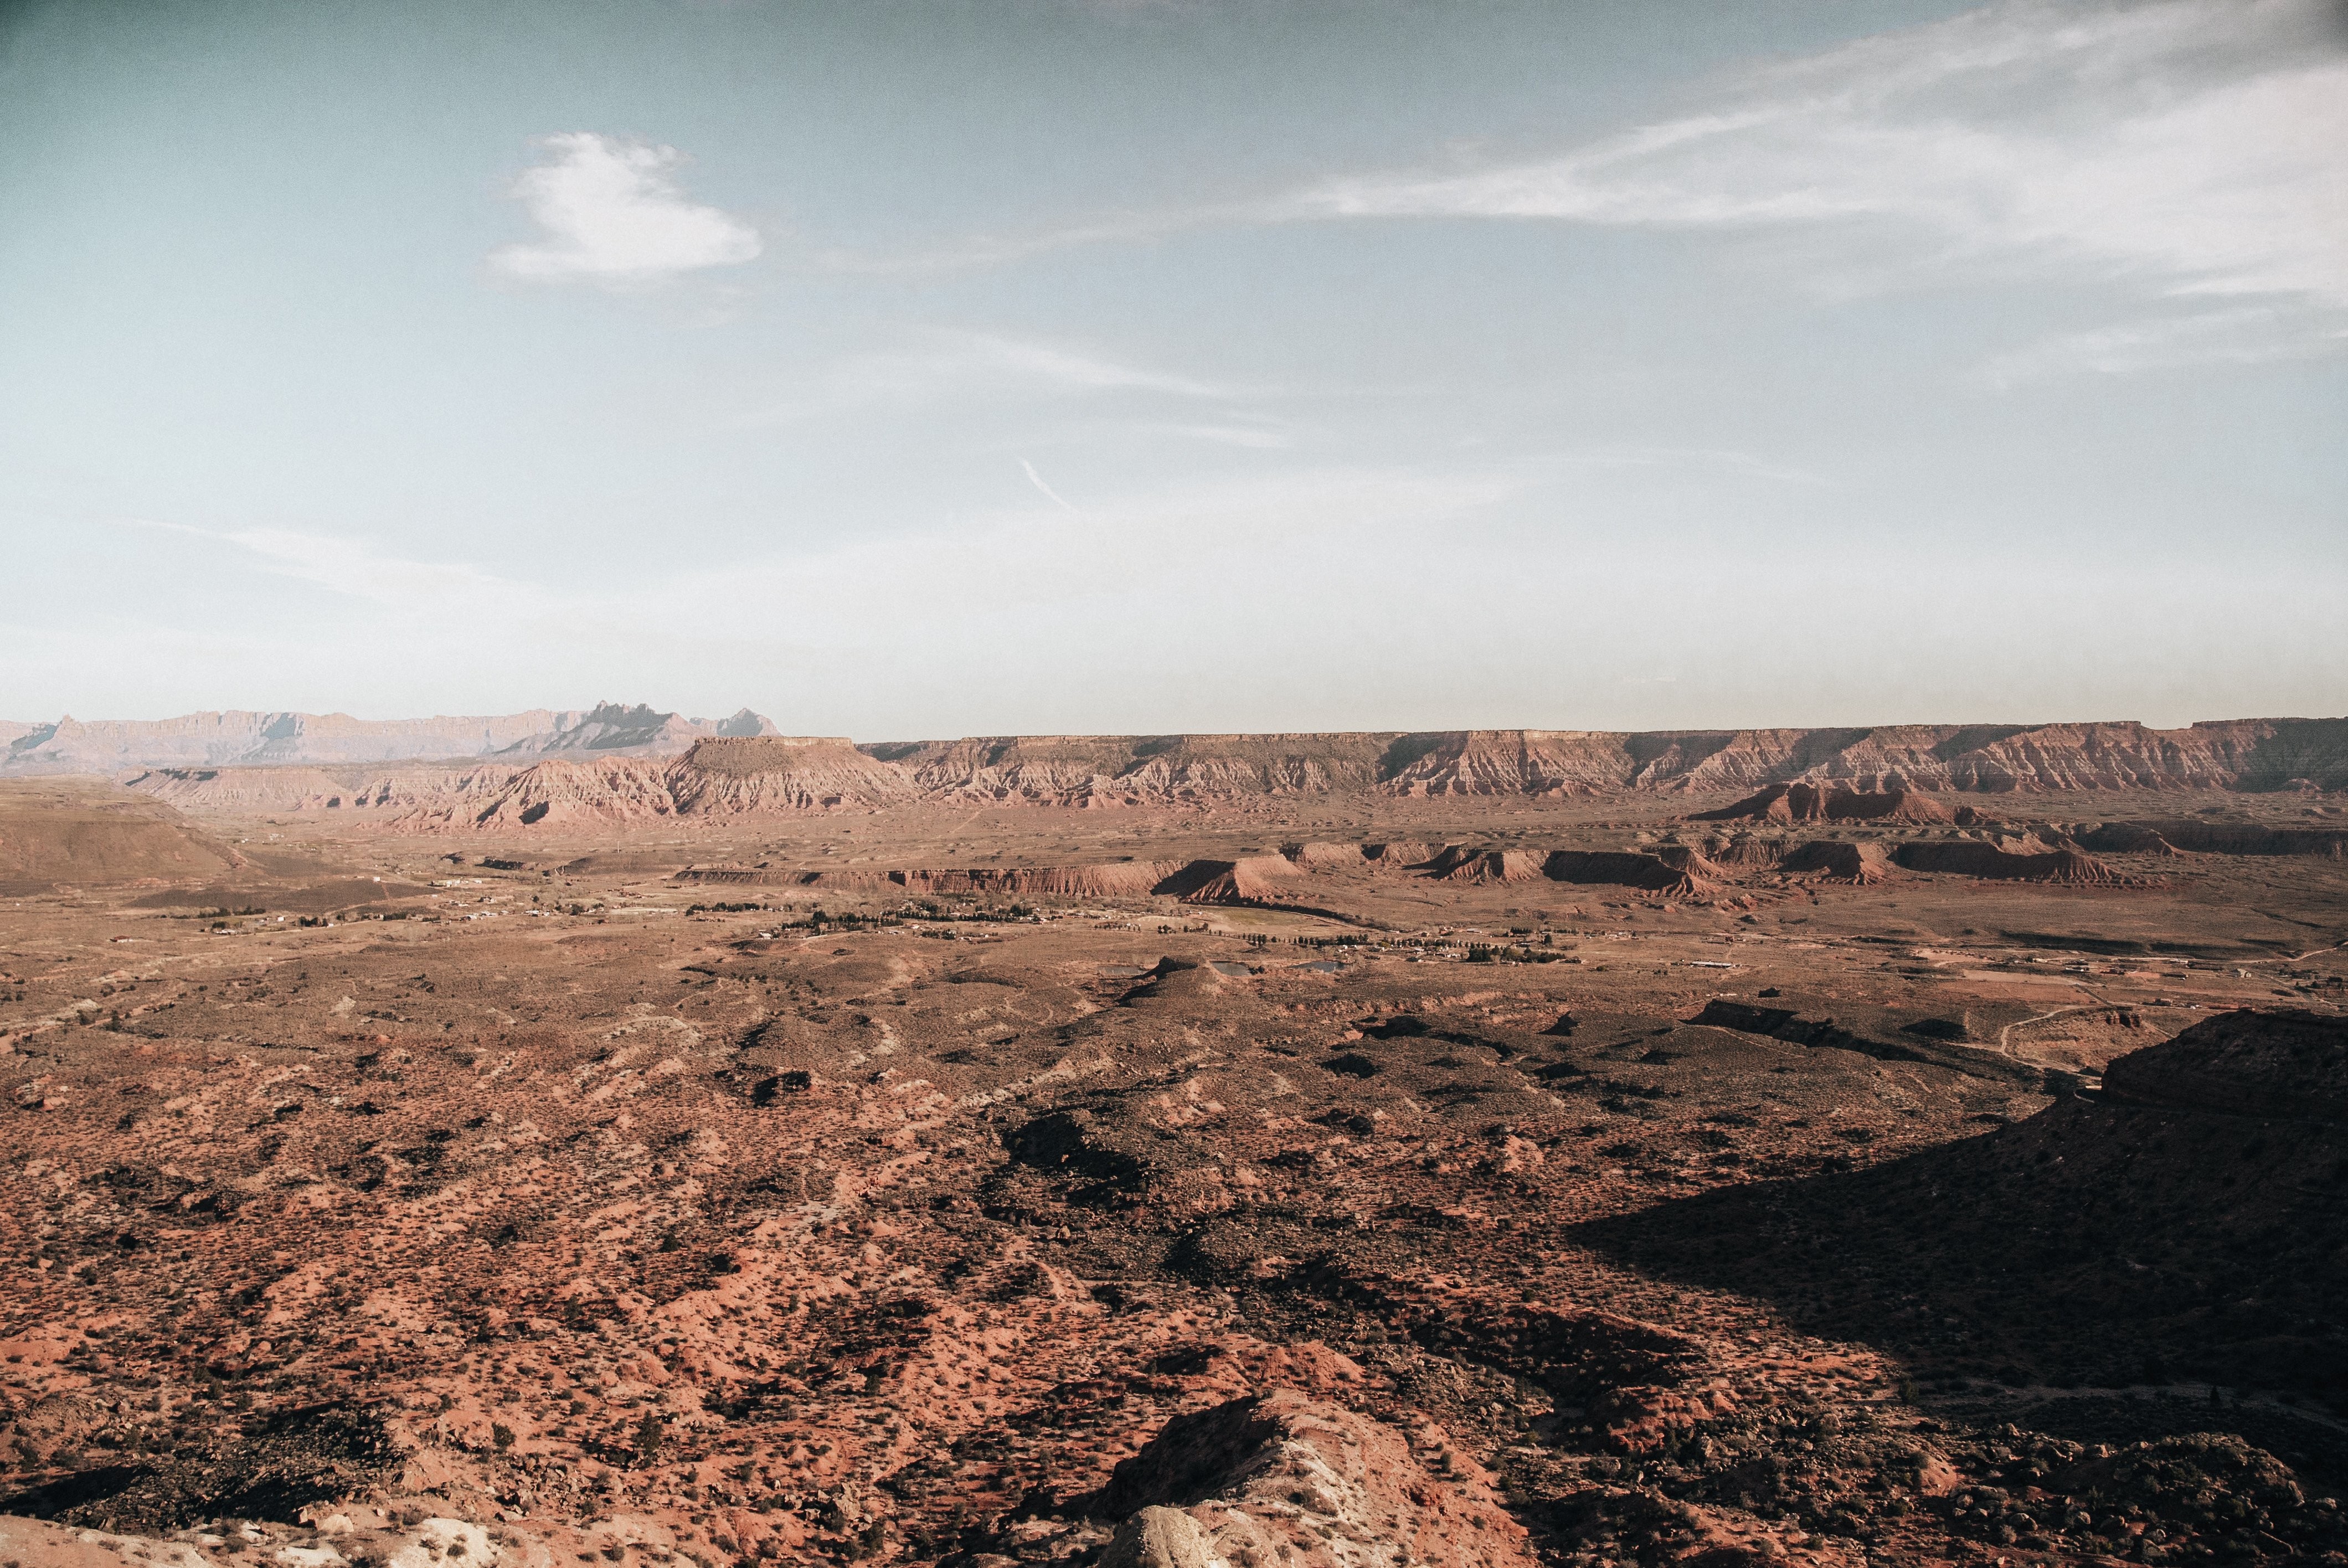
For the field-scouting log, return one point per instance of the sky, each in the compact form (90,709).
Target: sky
(920,369)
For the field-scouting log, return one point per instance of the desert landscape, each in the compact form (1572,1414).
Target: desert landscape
(613,1137)
(1174,784)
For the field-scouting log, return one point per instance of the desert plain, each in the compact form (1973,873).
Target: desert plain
(707,1147)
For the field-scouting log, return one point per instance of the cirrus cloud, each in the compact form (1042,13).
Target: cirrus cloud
(2191,144)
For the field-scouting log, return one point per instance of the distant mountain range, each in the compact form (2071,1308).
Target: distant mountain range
(240,739)
(613,763)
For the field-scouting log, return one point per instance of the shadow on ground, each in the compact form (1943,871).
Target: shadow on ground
(2092,1247)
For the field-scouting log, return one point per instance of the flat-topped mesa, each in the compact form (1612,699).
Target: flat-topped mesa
(2213,839)
(1966,858)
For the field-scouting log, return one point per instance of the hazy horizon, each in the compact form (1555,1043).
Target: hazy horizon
(445,715)
(1083,366)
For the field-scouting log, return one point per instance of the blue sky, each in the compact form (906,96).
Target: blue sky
(906,369)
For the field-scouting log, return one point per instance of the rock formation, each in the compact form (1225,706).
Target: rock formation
(1966,858)
(741,764)
(68,832)
(1283,1477)
(249,739)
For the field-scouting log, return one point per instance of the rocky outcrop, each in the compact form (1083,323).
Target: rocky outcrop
(406,1535)
(1839,862)
(1136,770)
(1744,852)
(1674,869)
(1969,858)
(1283,1477)
(781,774)
(1792,803)
(1255,880)
(1510,762)
(1496,867)
(559,795)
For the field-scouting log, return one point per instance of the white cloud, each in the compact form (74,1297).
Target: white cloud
(2192,144)
(612,212)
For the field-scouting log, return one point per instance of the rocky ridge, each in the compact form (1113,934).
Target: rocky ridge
(241,739)
(1883,777)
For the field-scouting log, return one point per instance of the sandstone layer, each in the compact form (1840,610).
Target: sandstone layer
(714,769)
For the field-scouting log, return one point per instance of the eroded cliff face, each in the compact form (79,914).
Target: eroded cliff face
(776,773)
(1174,770)
(1089,770)
(731,775)
(2248,754)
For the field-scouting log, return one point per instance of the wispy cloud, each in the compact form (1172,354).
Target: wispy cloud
(2179,148)
(1077,371)
(1254,437)
(1686,457)
(1037,480)
(997,250)
(611,212)
(357,570)
(937,366)
(2249,335)
(2192,144)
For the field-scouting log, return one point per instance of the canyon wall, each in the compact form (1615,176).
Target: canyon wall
(599,773)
